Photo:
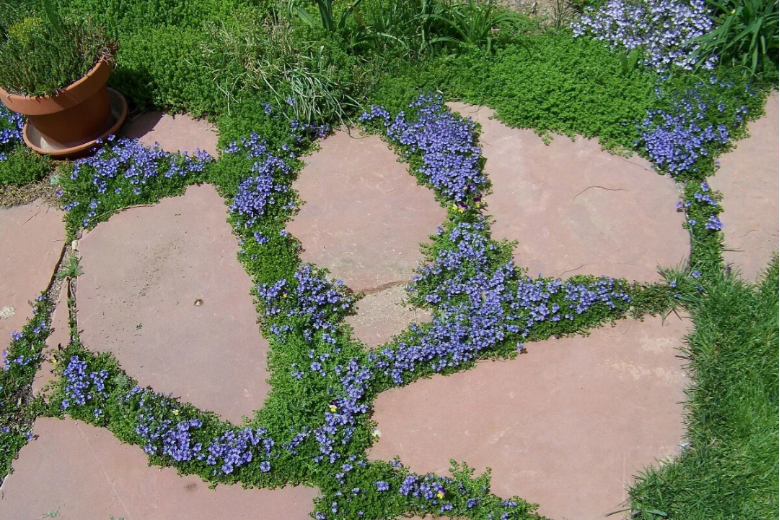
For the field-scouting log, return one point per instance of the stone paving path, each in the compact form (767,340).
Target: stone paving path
(576,209)
(748,179)
(84,473)
(163,290)
(144,270)
(566,425)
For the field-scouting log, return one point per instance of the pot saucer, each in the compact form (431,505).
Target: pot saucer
(35,140)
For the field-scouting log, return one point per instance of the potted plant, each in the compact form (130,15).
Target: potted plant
(54,71)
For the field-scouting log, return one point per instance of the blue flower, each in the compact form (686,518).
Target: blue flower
(450,156)
(667,30)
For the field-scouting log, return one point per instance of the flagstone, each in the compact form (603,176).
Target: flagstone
(173,132)
(364,215)
(31,241)
(163,291)
(380,316)
(363,218)
(748,179)
(576,209)
(565,425)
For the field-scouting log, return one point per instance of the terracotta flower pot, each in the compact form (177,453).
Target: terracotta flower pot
(74,117)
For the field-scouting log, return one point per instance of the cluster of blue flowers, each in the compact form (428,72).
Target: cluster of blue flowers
(430,488)
(704,196)
(446,144)
(11,125)
(341,417)
(16,337)
(127,161)
(534,299)
(255,193)
(664,29)
(176,439)
(310,130)
(479,307)
(677,137)
(235,448)
(318,301)
(18,360)
(83,385)
(702,204)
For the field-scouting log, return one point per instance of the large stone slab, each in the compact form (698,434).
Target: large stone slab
(174,133)
(364,215)
(163,291)
(80,472)
(748,179)
(31,241)
(576,209)
(565,425)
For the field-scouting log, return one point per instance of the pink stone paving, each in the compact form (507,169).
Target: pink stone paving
(364,218)
(31,241)
(174,133)
(84,473)
(748,179)
(163,291)
(364,215)
(576,209)
(566,425)
(380,316)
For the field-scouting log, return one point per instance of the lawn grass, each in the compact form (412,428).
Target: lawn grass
(730,468)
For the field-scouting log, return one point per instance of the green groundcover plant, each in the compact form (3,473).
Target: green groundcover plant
(18,164)
(20,363)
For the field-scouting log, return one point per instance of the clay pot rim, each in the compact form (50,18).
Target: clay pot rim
(65,98)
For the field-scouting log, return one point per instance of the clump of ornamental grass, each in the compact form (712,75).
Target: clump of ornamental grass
(42,53)
(746,37)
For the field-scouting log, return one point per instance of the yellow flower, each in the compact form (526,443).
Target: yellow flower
(461,210)
(333,408)
(454,206)
(440,494)
(176,412)
(54,361)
